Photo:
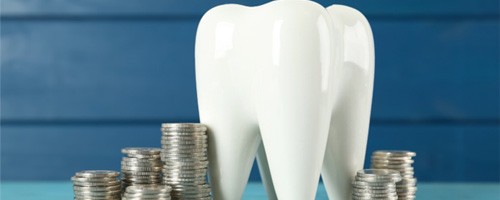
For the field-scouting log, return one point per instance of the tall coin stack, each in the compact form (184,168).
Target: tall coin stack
(401,161)
(185,160)
(142,166)
(96,184)
(374,184)
(147,192)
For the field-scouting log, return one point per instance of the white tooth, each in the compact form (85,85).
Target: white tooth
(345,151)
(265,173)
(272,68)
(224,107)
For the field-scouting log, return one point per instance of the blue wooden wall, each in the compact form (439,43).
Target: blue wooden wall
(82,79)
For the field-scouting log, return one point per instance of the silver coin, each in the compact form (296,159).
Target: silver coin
(96,188)
(184,138)
(392,162)
(184,182)
(134,173)
(97,198)
(102,193)
(185,179)
(151,165)
(378,175)
(147,159)
(97,173)
(141,150)
(190,196)
(146,197)
(183,168)
(142,176)
(184,175)
(131,178)
(172,158)
(167,133)
(184,126)
(196,139)
(192,191)
(143,156)
(408,180)
(395,153)
(167,136)
(180,158)
(200,198)
(184,152)
(184,141)
(98,180)
(374,195)
(83,183)
(368,188)
(182,187)
(141,181)
(142,169)
(392,165)
(401,161)
(140,198)
(149,188)
(184,146)
(364,191)
(143,198)
(176,154)
(142,161)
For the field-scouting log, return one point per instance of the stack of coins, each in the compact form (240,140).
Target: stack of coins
(147,192)
(185,160)
(142,166)
(401,161)
(96,184)
(372,184)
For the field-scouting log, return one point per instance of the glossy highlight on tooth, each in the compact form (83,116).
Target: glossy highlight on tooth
(291,82)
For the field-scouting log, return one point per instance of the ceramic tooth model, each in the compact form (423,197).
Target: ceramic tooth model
(291,82)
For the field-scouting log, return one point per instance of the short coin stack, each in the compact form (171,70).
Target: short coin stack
(375,184)
(142,166)
(96,184)
(147,192)
(401,161)
(185,160)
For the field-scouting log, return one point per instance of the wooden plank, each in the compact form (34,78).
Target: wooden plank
(57,152)
(39,152)
(144,70)
(393,8)
(437,70)
(444,152)
(129,70)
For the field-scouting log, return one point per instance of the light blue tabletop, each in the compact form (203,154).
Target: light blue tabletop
(426,191)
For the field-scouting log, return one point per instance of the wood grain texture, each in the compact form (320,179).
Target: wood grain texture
(42,152)
(145,70)
(82,79)
(395,8)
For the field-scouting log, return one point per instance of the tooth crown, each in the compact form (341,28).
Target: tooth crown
(280,75)
(252,49)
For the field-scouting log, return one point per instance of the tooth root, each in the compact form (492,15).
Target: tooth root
(265,173)
(295,150)
(294,117)
(232,148)
(346,147)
